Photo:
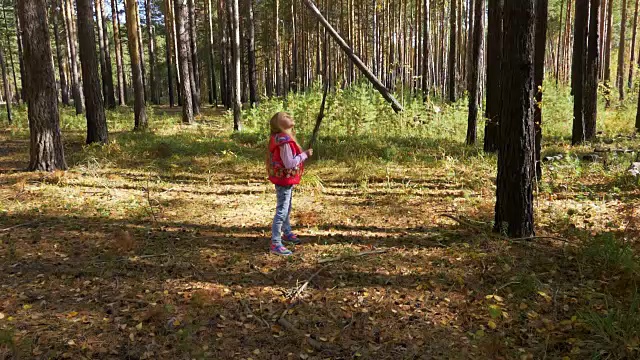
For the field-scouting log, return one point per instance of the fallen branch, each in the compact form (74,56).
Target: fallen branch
(312,342)
(540,237)
(16,226)
(364,253)
(248,309)
(462,222)
(303,287)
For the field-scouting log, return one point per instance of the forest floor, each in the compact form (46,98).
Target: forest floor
(156,246)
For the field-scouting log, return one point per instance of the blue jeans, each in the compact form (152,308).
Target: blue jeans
(281,223)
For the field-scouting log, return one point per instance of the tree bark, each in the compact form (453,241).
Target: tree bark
(47,151)
(592,70)
(578,69)
(451,72)
(122,97)
(278,57)
(426,53)
(632,64)
(253,88)
(193,64)
(478,34)
(7,87)
(234,13)
(542,11)
(224,70)
(559,51)
(78,96)
(494,58)
(151,33)
(621,51)
(105,58)
(143,67)
(181,18)
(349,52)
(64,89)
(20,54)
(96,121)
(168,23)
(140,114)
(213,89)
(514,194)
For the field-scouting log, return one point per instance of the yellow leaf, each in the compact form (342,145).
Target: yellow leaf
(256,352)
(132,337)
(27,306)
(523,306)
(545,296)
(566,358)
(139,326)
(72,313)
(574,318)
(480,333)
(1,316)
(492,325)
(71,342)
(10,318)
(176,322)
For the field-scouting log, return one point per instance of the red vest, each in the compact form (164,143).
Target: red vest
(278,173)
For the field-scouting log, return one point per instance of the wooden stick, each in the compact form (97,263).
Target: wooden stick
(313,342)
(16,226)
(364,253)
(354,58)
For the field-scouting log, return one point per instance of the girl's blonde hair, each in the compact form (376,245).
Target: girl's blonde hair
(274,123)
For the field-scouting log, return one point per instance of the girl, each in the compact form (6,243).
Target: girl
(285,167)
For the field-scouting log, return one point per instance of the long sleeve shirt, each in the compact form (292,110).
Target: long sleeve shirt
(288,160)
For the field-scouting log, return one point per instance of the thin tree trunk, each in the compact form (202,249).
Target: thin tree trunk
(181,19)
(169,50)
(542,10)
(213,90)
(514,193)
(224,73)
(494,58)
(151,33)
(478,33)
(47,151)
(7,87)
(234,14)
(11,63)
(607,60)
(64,89)
(277,29)
(193,64)
(592,70)
(632,64)
(452,52)
(426,53)
(559,46)
(20,54)
(253,96)
(621,50)
(96,121)
(143,67)
(105,58)
(131,7)
(122,97)
(579,68)
(78,97)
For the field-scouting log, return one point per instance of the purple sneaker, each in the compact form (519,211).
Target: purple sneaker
(278,249)
(292,239)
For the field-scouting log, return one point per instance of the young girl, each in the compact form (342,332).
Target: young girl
(285,167)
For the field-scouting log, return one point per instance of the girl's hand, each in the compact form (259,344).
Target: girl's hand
(309,152)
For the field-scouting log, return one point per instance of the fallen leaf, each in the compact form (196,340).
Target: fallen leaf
(492,325)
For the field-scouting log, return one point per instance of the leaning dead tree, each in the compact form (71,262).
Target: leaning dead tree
(354,58)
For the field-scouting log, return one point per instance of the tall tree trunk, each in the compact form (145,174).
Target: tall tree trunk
(621,50)
(64,89)
(105,58)
(494,58)
(559,51)
(478,33)
(78,96)
(141,52)
(110,99)
(131,7)
(632,64)
(122,97)
(47,151)
(181,19)
(7,87)
(193,64)
(578,69)
(11,63)
(253,88)
(451,72)
(234,13)
(20,54)
(542,10)
(151,33)
(168,23)
(213,90)
(592,70)
(96,121)
(224,73)
(426,53)
(514,193)
(278,57)
(609,41)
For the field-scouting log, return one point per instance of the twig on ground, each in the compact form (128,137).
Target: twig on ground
(303,287)
(462,222)
(312,342)
(16,226)
(364,253)
(248,309)
(540,237)
(136,257)
(508,284)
